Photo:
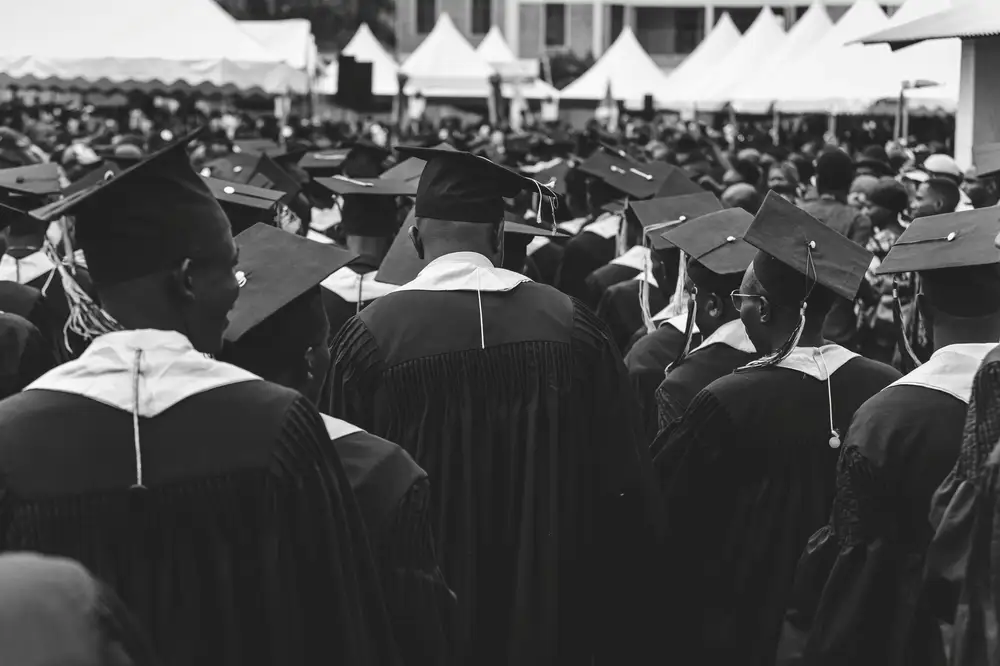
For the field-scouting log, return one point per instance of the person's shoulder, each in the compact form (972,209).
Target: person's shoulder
(871,370)
(654,349)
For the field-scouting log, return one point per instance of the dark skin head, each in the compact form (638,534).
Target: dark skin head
(881,217)
(712,310)
(769,323)
(194,298)
(436,238)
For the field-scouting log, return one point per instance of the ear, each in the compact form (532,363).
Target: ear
(764,309)
(418,243)
(714,306)
(182,281)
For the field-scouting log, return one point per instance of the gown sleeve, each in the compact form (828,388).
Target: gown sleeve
(857,592)
(420,603)
(352,387)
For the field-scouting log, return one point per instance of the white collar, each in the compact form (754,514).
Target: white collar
(536,244)
(817,362)
(732,334)
(678,321)
(646,275)
(26,269)
(606,226)
(572,226)
(354,287)
(171,370)
(464,271)
(951,370)
(336,428)
(637,257)
(318,237)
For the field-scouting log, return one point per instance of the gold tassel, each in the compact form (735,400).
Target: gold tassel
(86,318)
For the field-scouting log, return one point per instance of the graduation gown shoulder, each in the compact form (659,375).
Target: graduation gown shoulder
(604,278)
(539,472)
(619,310)
(646,362)
(246,547)
(699,369)
(747,476)
(858,595)
(546,260)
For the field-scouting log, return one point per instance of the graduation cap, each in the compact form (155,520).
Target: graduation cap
(35,179)
(106,169)
(258,146)
(465,187)
(148,218)
(275,268)
(365,160)
(657,215)
(412,167)
(321,163)
(787,237)
(714,245)
(10,215)
(523,227)
(369,206)
(554,177)
(952,240)
(257,170)
(987,159)
(677,182)
(245,205)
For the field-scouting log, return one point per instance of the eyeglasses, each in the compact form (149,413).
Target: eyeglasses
(738,298)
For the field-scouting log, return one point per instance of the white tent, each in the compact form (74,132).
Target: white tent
(446,66)
(937,60)
(804,35)
(712,50)
(148,45)
(516,73)
(628,69)
(762,38)
(365,47)
(494,47)
(291,39)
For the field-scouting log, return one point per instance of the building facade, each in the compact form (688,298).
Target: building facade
(667,29)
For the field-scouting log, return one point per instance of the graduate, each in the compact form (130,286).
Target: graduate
(25,355)
(368,220)
(715,266)
(858,595)
(29,259)
(748,471)
(278,331)
(204,496)
(516,403)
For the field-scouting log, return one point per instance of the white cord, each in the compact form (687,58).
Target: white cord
(834,435)
(479,295)
(135,419)
(357,307)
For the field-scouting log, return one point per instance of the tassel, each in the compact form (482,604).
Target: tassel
(86,318)
(647,317)
(909,357)
(679,299)
(784,350)
(688,333)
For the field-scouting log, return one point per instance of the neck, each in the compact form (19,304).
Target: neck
(984,330)
(436,251)
(368,246)
(25,243)
(717,323)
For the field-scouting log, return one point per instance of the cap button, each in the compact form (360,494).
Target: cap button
(812,245)
(109,174)
(229,190)
(952,236)
(241,278)
(682,218)
(206,172)
(237,169)
(730,239)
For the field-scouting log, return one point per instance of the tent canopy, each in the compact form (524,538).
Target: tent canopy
(446,66)
(365,47)
(804,35)
(968,19)
(690,74)
(753,51)
(149,45)
(629,69)
(495,50)
(291,40)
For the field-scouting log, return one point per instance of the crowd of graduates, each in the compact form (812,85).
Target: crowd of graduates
(642,396)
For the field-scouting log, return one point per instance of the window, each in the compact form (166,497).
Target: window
(426,16)
(690,26)
(555,25)
(617,21)
(482,16)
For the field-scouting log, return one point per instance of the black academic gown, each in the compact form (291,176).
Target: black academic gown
(604,278)
(546,260)
(858,595)
(687,379)
(748,475)
(619,309)
(646,362)
(537,465)
(582,255)
(393,494)
(340,309)
(28,302)
(247,546)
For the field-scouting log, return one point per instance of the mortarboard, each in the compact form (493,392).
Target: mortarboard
(412,167)
(257,147)
(656,215)
(986,157)
(634,179)
(147,218)
(369,206)
(245,205)
(952,240)
(676,183)
(365,160)
(34,180)
(716,242)
(94,176)
(465,187)
(554,177)
(257,170)
(11,214)
(787,236)
(324,162)
(275,268)
(522,227)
